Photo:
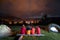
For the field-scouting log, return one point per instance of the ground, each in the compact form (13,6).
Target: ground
(48,36)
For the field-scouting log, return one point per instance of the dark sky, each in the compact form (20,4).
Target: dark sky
(30,8)
(56,7)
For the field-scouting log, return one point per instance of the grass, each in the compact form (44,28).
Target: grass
(48,36)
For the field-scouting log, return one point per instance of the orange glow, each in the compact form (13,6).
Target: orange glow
(10,22)
(15,22)
(22,8)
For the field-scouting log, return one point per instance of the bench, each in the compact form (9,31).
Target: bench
(31,35)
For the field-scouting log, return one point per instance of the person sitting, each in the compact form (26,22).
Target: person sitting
(38,30)
(23,30)
(32,30)
(28,30)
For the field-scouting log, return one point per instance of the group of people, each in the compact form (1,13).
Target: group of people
(30,30)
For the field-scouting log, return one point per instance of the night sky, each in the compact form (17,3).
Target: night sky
(30,8)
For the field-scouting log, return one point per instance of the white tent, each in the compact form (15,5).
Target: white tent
(4,31)
(52,27)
